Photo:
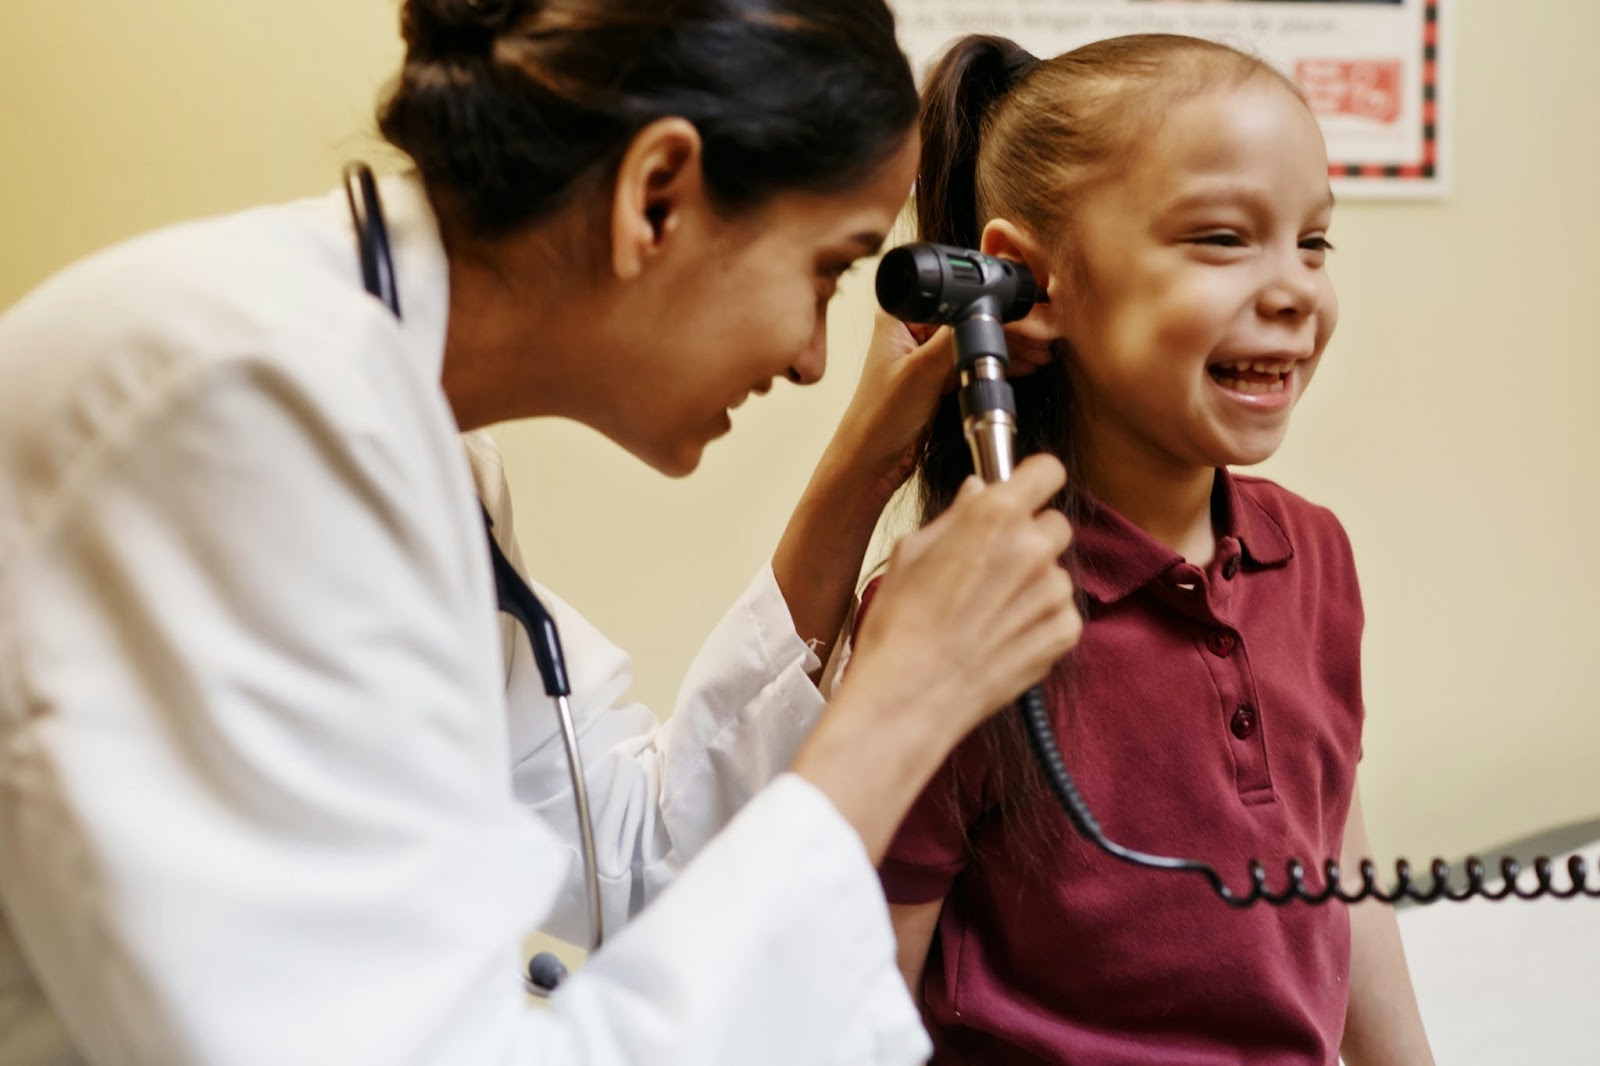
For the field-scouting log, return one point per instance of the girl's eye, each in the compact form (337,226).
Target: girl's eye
(1220,240)
(1316,244)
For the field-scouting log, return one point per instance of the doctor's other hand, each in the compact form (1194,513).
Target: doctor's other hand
(905,371)
(973,609)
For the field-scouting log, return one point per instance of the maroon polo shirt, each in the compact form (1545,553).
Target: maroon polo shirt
(1213,714)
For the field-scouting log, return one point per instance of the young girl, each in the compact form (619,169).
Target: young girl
(1172,196)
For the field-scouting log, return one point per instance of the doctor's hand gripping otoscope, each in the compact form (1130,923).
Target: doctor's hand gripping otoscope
(975,294)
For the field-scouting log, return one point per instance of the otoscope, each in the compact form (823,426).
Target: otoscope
(936,284)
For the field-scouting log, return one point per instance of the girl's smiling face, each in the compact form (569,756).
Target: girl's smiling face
(1200,302)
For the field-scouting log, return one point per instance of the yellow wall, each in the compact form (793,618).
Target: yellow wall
(1451,426)
(120,117)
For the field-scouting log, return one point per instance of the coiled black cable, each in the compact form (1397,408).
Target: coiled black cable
(1041,739)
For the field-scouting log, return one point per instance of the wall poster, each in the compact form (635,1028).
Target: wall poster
(1376,71)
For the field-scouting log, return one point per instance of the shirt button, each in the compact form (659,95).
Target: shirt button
(1244,723)
(1221,643)
(1230,568)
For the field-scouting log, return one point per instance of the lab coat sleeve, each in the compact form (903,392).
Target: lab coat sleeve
(658,792)
(254,813)
(740,987)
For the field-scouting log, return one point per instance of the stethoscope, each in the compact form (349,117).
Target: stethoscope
(544,971)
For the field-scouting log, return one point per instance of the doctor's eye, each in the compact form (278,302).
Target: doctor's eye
(833,272)
(829,277)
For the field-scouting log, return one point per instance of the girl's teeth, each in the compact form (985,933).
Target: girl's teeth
(1255,386)
(1260,366)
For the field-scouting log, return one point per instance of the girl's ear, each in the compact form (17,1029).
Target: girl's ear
(1046,322)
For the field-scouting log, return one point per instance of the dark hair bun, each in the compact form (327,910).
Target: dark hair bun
(445,27)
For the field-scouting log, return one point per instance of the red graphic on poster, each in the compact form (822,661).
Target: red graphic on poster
(1366,88)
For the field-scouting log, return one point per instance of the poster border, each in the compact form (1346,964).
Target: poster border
(1427,176)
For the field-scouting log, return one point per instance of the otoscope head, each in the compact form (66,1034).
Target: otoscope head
(938,284)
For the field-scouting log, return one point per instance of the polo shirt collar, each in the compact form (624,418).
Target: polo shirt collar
(1115,557)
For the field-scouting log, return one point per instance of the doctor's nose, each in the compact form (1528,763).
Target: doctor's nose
(808,367)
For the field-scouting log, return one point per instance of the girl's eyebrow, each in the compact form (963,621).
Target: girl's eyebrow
(1215,194)
(1231,193)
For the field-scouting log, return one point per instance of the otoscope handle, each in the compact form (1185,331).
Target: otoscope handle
(988,417)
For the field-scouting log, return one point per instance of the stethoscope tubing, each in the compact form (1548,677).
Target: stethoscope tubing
(516,598)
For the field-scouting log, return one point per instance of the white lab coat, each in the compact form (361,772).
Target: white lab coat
(254,794)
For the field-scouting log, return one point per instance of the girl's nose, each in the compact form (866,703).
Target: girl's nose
(1290,293)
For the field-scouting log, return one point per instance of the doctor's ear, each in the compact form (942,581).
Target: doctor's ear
(658,180)
(1046,322)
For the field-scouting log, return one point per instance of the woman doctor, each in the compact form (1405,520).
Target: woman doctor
(254,693)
